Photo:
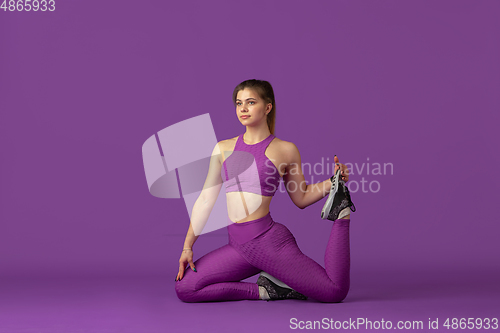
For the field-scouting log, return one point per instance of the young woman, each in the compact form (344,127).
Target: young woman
(258,244)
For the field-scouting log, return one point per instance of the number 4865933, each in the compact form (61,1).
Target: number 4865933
(28,5)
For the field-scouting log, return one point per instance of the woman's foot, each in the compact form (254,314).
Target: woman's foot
(339,202)
(277,289)
(345,214)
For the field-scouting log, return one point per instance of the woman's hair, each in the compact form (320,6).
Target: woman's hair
(265,91)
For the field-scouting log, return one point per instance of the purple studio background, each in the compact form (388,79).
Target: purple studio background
(413,84)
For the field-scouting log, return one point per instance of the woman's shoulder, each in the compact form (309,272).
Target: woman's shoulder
(227,143)
(284,145)
(225,146)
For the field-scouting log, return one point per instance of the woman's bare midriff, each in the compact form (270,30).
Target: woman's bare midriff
(246,206)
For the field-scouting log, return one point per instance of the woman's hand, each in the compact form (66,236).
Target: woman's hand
(344,172)
(186,259)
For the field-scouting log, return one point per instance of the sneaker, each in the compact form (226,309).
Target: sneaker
(277,289)
(338,199)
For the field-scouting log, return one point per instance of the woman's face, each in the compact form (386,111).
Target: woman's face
(250,108)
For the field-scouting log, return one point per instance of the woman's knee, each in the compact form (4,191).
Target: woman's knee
(335,297)
(185,291)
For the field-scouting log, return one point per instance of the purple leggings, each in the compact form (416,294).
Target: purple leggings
(265,245)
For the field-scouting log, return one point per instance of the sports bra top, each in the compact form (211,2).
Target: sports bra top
(248,169)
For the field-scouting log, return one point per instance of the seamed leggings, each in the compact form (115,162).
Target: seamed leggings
(266,245)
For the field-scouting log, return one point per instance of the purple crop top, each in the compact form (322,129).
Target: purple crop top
(248,169)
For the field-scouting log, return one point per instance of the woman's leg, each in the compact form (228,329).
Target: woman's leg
(276,252)
(217,276)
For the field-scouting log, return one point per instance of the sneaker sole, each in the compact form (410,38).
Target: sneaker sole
(273,279)
(329,201)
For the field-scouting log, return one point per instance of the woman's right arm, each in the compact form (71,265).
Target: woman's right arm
(201,210)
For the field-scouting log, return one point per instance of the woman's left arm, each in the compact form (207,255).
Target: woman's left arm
(303,195)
